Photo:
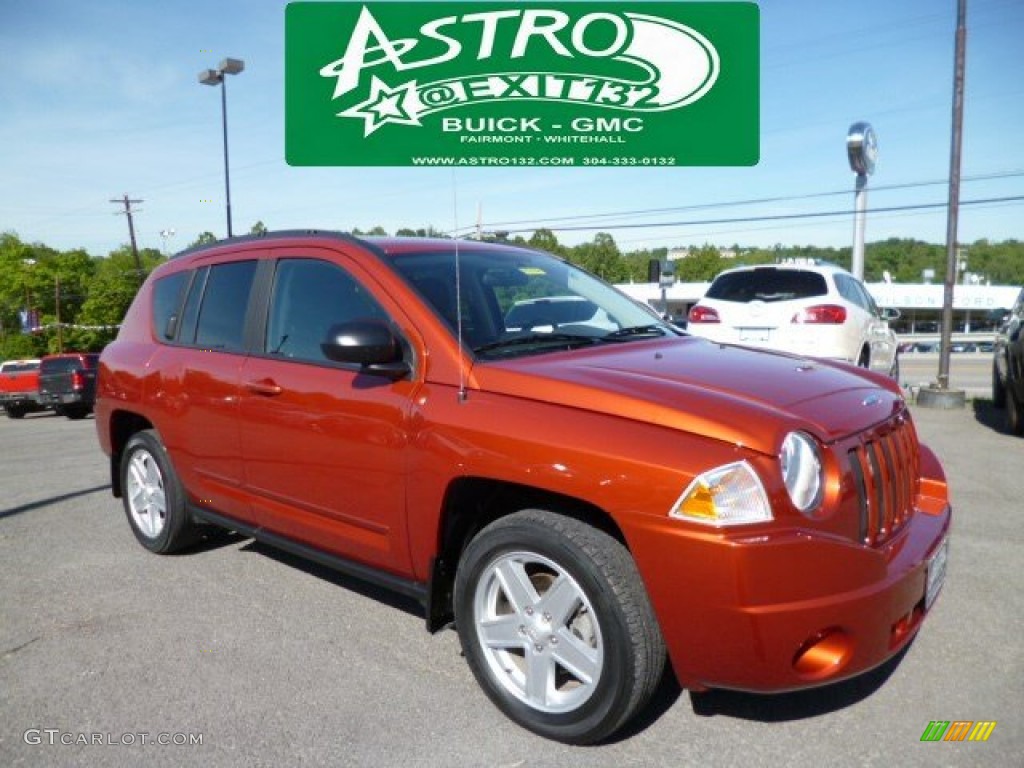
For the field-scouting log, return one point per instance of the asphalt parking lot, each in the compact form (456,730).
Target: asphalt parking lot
(273,662)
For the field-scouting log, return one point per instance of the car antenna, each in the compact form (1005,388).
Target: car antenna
(463,394)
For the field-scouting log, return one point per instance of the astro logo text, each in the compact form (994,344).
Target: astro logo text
(366,79)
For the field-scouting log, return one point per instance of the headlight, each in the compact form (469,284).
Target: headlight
(729,495)
(801,470)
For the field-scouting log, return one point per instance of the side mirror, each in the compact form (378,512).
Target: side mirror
(368,343)
(891,313)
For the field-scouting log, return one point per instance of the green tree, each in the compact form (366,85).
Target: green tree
(602,257)
(545,240)
(259,228)
(110,293)
(205,238)
(420,232)
(702,264)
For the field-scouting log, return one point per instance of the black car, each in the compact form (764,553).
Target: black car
(1008,365)
(67,383)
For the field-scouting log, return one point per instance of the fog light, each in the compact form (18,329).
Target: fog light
(823,655)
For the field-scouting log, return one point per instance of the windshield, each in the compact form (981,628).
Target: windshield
(517,302)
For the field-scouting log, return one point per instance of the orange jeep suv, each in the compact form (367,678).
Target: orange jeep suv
(583,498)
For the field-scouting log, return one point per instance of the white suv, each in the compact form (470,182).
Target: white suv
(812,309)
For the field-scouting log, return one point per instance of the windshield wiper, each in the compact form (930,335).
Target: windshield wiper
(638,331)
(558,339)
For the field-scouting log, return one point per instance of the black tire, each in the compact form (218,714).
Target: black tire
(77,412)
(1014,413)
(14,412)
(998,389)
(59,410)
(147,476)
(603,620)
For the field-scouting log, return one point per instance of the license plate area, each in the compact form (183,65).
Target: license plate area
(755,334)
(936,573)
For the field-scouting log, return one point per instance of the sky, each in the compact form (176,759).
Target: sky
(100,99)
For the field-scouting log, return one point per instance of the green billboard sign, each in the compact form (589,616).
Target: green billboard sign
(491,84)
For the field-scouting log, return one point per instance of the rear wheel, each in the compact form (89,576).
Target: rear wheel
(14,412)
(1014,412)
(77,412)
(998,388)
(556,626)
(154,499)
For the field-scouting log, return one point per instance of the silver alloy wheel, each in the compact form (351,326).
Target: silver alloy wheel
(147,500)
(538,631)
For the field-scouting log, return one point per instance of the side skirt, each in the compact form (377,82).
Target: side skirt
(414,589)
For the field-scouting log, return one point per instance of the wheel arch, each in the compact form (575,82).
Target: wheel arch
(123,424)
(470,504)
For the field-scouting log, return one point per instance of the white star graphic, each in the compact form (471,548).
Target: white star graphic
(385,105)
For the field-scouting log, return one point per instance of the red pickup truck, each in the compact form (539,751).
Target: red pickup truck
(19,387)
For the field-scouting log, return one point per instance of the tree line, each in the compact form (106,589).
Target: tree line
(90,294)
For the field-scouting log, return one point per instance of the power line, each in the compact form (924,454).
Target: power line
(750,201)
(775,217)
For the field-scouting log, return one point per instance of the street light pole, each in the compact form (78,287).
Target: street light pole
(216,77)
(165,234)
(862,152)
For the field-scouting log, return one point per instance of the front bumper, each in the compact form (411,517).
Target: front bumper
(786,610)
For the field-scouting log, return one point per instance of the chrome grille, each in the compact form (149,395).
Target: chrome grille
(885,469)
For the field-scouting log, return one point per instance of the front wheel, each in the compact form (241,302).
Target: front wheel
(556,626)
(14,412)
(154,499)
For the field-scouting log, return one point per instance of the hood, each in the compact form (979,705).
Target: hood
(741,396)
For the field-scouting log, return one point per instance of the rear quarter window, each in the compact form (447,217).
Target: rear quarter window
(166,304)
(768,285)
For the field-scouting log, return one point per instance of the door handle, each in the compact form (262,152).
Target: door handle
(265,387)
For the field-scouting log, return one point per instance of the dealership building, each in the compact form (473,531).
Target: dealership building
(920,305)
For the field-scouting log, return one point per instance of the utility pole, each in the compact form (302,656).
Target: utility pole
(941,395)
(60,329)
(954,195)
(131,232)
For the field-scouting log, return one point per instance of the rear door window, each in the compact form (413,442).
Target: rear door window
(768,285)
(221,323)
